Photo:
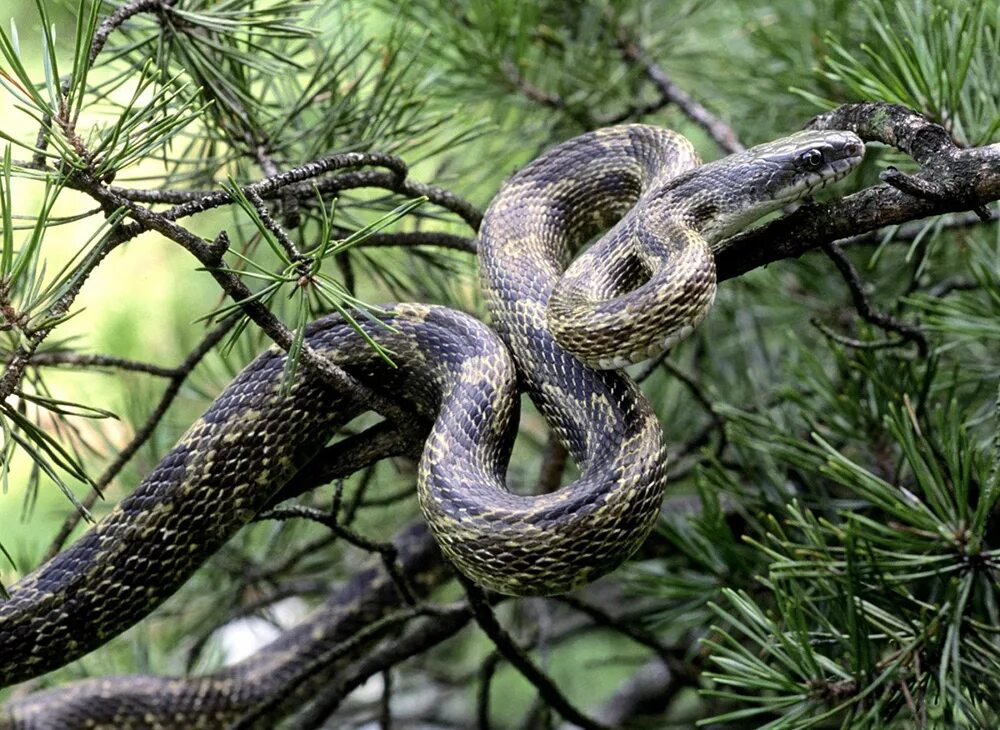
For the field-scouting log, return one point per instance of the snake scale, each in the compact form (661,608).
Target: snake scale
(558,325)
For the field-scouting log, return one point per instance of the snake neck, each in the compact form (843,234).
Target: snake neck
(721,198)
(541,217)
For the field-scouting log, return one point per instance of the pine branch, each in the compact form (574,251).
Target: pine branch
(120,16)
(671,93)
(970,177)
(907,331)
(547,690)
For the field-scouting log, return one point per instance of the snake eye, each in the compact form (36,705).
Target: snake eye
(812,159)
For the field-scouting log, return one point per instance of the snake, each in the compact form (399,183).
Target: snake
(569,308)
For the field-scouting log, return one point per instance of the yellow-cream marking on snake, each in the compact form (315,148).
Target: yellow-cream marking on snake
(642,286)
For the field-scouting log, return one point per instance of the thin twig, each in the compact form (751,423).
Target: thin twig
(289,203)
(634,111)
(854,343)
(385,550)
(31,340)
(547,689)
(863,304)
(385,709)
(719,131)
(909,232)
(402,186)
(414,238)
(953,283)
(191,202)
(81,360)
(546,99)
(487,671)
(177,378)
(417,641)
(602,618)
(270,224)
(118,18)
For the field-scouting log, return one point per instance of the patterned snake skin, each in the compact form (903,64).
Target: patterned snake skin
(638,290)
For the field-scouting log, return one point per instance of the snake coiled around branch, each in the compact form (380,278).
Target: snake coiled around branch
(639,289)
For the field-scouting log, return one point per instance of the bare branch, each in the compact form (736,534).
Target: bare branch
(118,18)
(547,689)
(83,360)
(422,637)
(971,177)
(353,454)
(198,201)
(719,131)
(866,310)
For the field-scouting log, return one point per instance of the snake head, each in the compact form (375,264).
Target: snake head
(794,167)
(769,176)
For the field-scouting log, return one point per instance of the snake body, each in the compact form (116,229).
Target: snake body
(639,289)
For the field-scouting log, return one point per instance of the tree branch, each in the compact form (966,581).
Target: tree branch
(719,131)
(547,689)
(119,16)
(867,311)
(971,177)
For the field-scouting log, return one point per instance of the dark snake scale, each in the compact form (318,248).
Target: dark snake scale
(639,289)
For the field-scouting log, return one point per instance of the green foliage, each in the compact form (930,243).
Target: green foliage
(43,100)
(939,58)
(867,572)
(302,279)
(969,317)
(869,614)
(290,81)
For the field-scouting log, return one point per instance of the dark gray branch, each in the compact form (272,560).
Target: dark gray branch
(118,18)
(670,92)
(547,689)
(909,332)
(971,178)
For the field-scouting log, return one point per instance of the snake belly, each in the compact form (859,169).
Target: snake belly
(457,372)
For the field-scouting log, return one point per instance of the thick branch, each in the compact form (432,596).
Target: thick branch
(350,455)
(192,202)
(967,178)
